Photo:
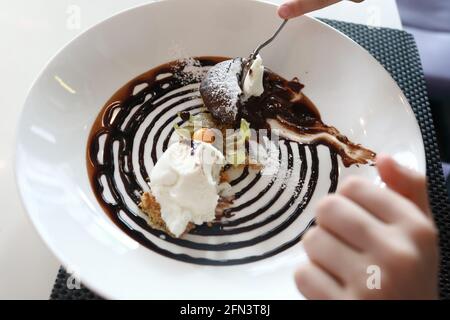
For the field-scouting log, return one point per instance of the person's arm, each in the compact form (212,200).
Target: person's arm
(366,233)
(295,8)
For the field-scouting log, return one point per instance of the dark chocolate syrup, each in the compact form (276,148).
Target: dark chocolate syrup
(118,124)
(283,101)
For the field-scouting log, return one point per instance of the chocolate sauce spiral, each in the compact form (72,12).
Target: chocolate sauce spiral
(134,129)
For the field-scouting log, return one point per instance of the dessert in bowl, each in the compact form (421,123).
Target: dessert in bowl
(190,184)
(122,256)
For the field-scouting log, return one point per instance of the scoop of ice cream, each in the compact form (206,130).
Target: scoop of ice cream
(184,182)
(220,90)
(253,81)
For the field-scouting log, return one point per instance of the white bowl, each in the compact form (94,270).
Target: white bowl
(351,89)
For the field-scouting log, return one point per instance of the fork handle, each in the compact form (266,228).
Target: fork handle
(255,53)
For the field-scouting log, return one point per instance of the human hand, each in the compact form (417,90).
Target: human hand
(295,8)
(362,226)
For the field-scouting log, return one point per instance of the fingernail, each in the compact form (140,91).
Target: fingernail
(284,11)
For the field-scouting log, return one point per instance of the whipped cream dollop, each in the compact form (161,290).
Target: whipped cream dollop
(184,181)
(253,82)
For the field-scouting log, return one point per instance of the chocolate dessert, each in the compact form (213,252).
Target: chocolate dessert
(281,106)
(221,91)
(134,129)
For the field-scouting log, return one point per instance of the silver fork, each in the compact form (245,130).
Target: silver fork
(261,46)
(246,63)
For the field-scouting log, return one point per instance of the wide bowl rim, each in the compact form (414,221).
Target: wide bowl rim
(58,252)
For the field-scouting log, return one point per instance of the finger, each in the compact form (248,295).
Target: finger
(408,183)
(329,253)
(348,222)
(384,204)
(297,8)
(315,283)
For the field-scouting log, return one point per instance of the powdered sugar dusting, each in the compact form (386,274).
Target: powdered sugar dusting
(271,161)
(189,70)
(224,85)
(288,172)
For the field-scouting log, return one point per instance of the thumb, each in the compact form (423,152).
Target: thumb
(408,183)
(295,8)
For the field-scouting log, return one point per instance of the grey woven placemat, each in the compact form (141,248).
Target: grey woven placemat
(397,52)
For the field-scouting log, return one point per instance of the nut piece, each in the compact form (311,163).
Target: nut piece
(205,135)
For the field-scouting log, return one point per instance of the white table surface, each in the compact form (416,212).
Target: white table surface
(31,33)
